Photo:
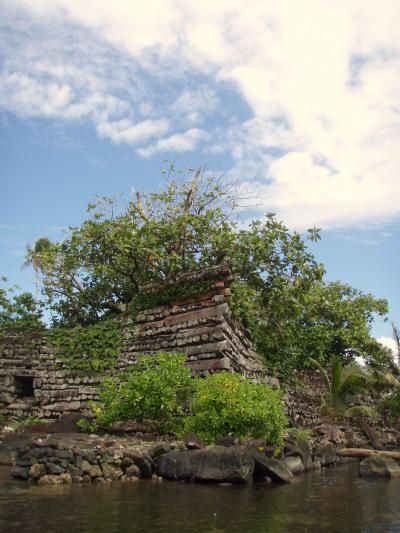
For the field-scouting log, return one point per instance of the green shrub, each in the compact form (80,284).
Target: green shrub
(390,406)
(156,388)
(227,403)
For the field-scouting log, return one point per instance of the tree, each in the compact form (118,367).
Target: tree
(101,267)
(19,310)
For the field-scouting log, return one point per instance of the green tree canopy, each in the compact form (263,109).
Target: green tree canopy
(19,309)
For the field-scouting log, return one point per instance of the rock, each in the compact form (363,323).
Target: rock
(159,449)
(223,464)
(85,467)
(20,472)
(50,479)
(192,441)
(327,454)
(37,471)
(74,470)
(111,472)
(379,466)
(294,463)
(176,465)
(214,464)
(143,461)
(77,479)
(131,426)
(230,440)
(132,471)
(54,469)
(302,449)
(55,480)
(95,471)
(273,468)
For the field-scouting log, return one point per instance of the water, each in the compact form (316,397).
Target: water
(336,500)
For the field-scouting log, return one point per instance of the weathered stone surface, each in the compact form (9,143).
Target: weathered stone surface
(111,472)
(143,461)
(294,463)
(327,454)
(224,464)
(132,471)
(20,472)
(192,441)
(379,466)
(159,449)
(37,471)
(177,465)
(268,466)
(54,469)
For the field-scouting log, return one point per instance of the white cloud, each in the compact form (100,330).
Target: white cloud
(179,142)
(318,130)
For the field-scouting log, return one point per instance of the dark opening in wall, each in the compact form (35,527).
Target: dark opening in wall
(23,386)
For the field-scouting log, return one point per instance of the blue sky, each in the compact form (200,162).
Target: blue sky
(298,102)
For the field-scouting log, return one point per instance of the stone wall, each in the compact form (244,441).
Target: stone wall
(34,381)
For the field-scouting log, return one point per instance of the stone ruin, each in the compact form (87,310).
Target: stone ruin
(34,381)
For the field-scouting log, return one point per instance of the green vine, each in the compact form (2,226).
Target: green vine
(165,295)
(92,349)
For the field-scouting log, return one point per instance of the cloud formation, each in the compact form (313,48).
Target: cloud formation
(315,125)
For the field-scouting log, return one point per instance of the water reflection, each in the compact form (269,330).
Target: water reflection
(335,500)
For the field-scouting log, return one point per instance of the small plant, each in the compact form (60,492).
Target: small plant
(300,434)
(156,388)
(391,406)
(24,422)
(228,404)
(345,383)
(87,426)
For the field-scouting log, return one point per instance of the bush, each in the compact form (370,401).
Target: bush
(156,388)
(227,403)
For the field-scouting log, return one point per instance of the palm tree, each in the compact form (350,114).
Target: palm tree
(345,382)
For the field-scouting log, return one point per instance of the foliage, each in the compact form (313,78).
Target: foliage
(343,385)
(325,319)
(390,406)
(24,422)
(156,388)
(299,434)
(226,403)
(19,310)
(169,293)
(90,349)
(102,268)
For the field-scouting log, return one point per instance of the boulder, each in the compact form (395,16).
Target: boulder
(55,480)
(270,467)
(143,461)
(230,440)
(159,449)
(294,463)
(222,464)
(132,471)
(177,465)
(327,454)
(37,471)
(379,466)
(192,441)
(20,472)
(110,471)
(54,469)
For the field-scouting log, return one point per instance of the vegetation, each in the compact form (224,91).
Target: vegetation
(91,349)
(228,404)
(24,422)
(19,310)
(344,384)
(157,388)
(102,268)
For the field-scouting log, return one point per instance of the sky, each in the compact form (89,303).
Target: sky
(296,100)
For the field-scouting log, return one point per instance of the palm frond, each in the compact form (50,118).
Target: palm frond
(361,410)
